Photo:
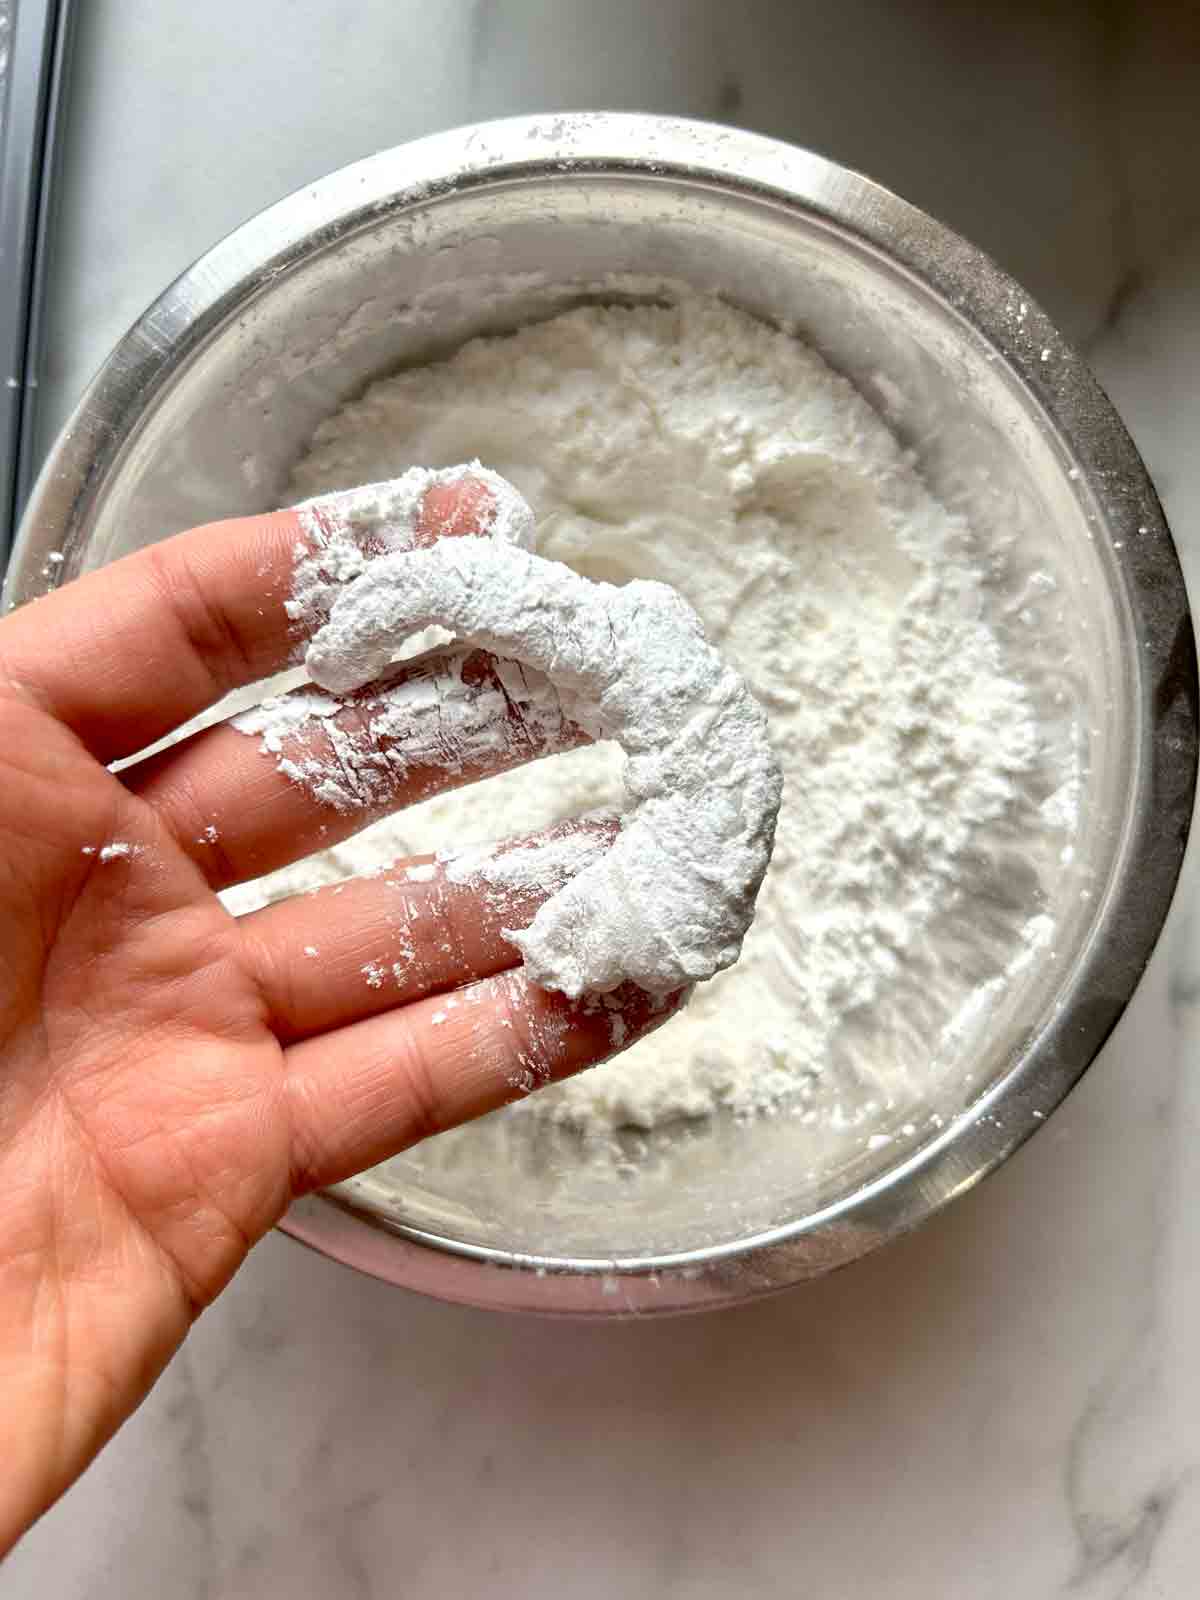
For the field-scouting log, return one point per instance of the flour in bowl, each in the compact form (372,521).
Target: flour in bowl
(693,445)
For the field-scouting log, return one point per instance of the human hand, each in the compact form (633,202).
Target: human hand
(170,1076)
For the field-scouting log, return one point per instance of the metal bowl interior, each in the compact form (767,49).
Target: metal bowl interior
(205,406)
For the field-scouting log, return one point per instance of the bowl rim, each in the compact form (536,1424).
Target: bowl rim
(575,147)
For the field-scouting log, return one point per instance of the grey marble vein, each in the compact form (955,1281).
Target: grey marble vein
(1119,1495)
(187,1418)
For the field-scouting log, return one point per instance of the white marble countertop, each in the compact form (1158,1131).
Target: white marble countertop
(1004,1404)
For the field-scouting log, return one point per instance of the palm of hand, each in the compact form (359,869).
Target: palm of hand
(170,1076)
(144,1142)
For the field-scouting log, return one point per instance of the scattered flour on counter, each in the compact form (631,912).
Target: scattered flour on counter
(692,445)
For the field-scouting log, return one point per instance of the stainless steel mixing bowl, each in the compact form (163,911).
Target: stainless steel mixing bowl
(207,402)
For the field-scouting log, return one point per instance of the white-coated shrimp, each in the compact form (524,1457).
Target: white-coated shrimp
(670,903)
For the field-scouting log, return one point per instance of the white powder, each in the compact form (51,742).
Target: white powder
(118,850)
(441,716)
(347,530)
(692,445)
(501,873)
(670,903)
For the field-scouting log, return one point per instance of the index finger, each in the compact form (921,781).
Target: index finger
(127,654)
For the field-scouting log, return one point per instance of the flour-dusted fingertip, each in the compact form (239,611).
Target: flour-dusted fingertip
(362,1093)
(459,508)
(552,1036)
(412,928)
